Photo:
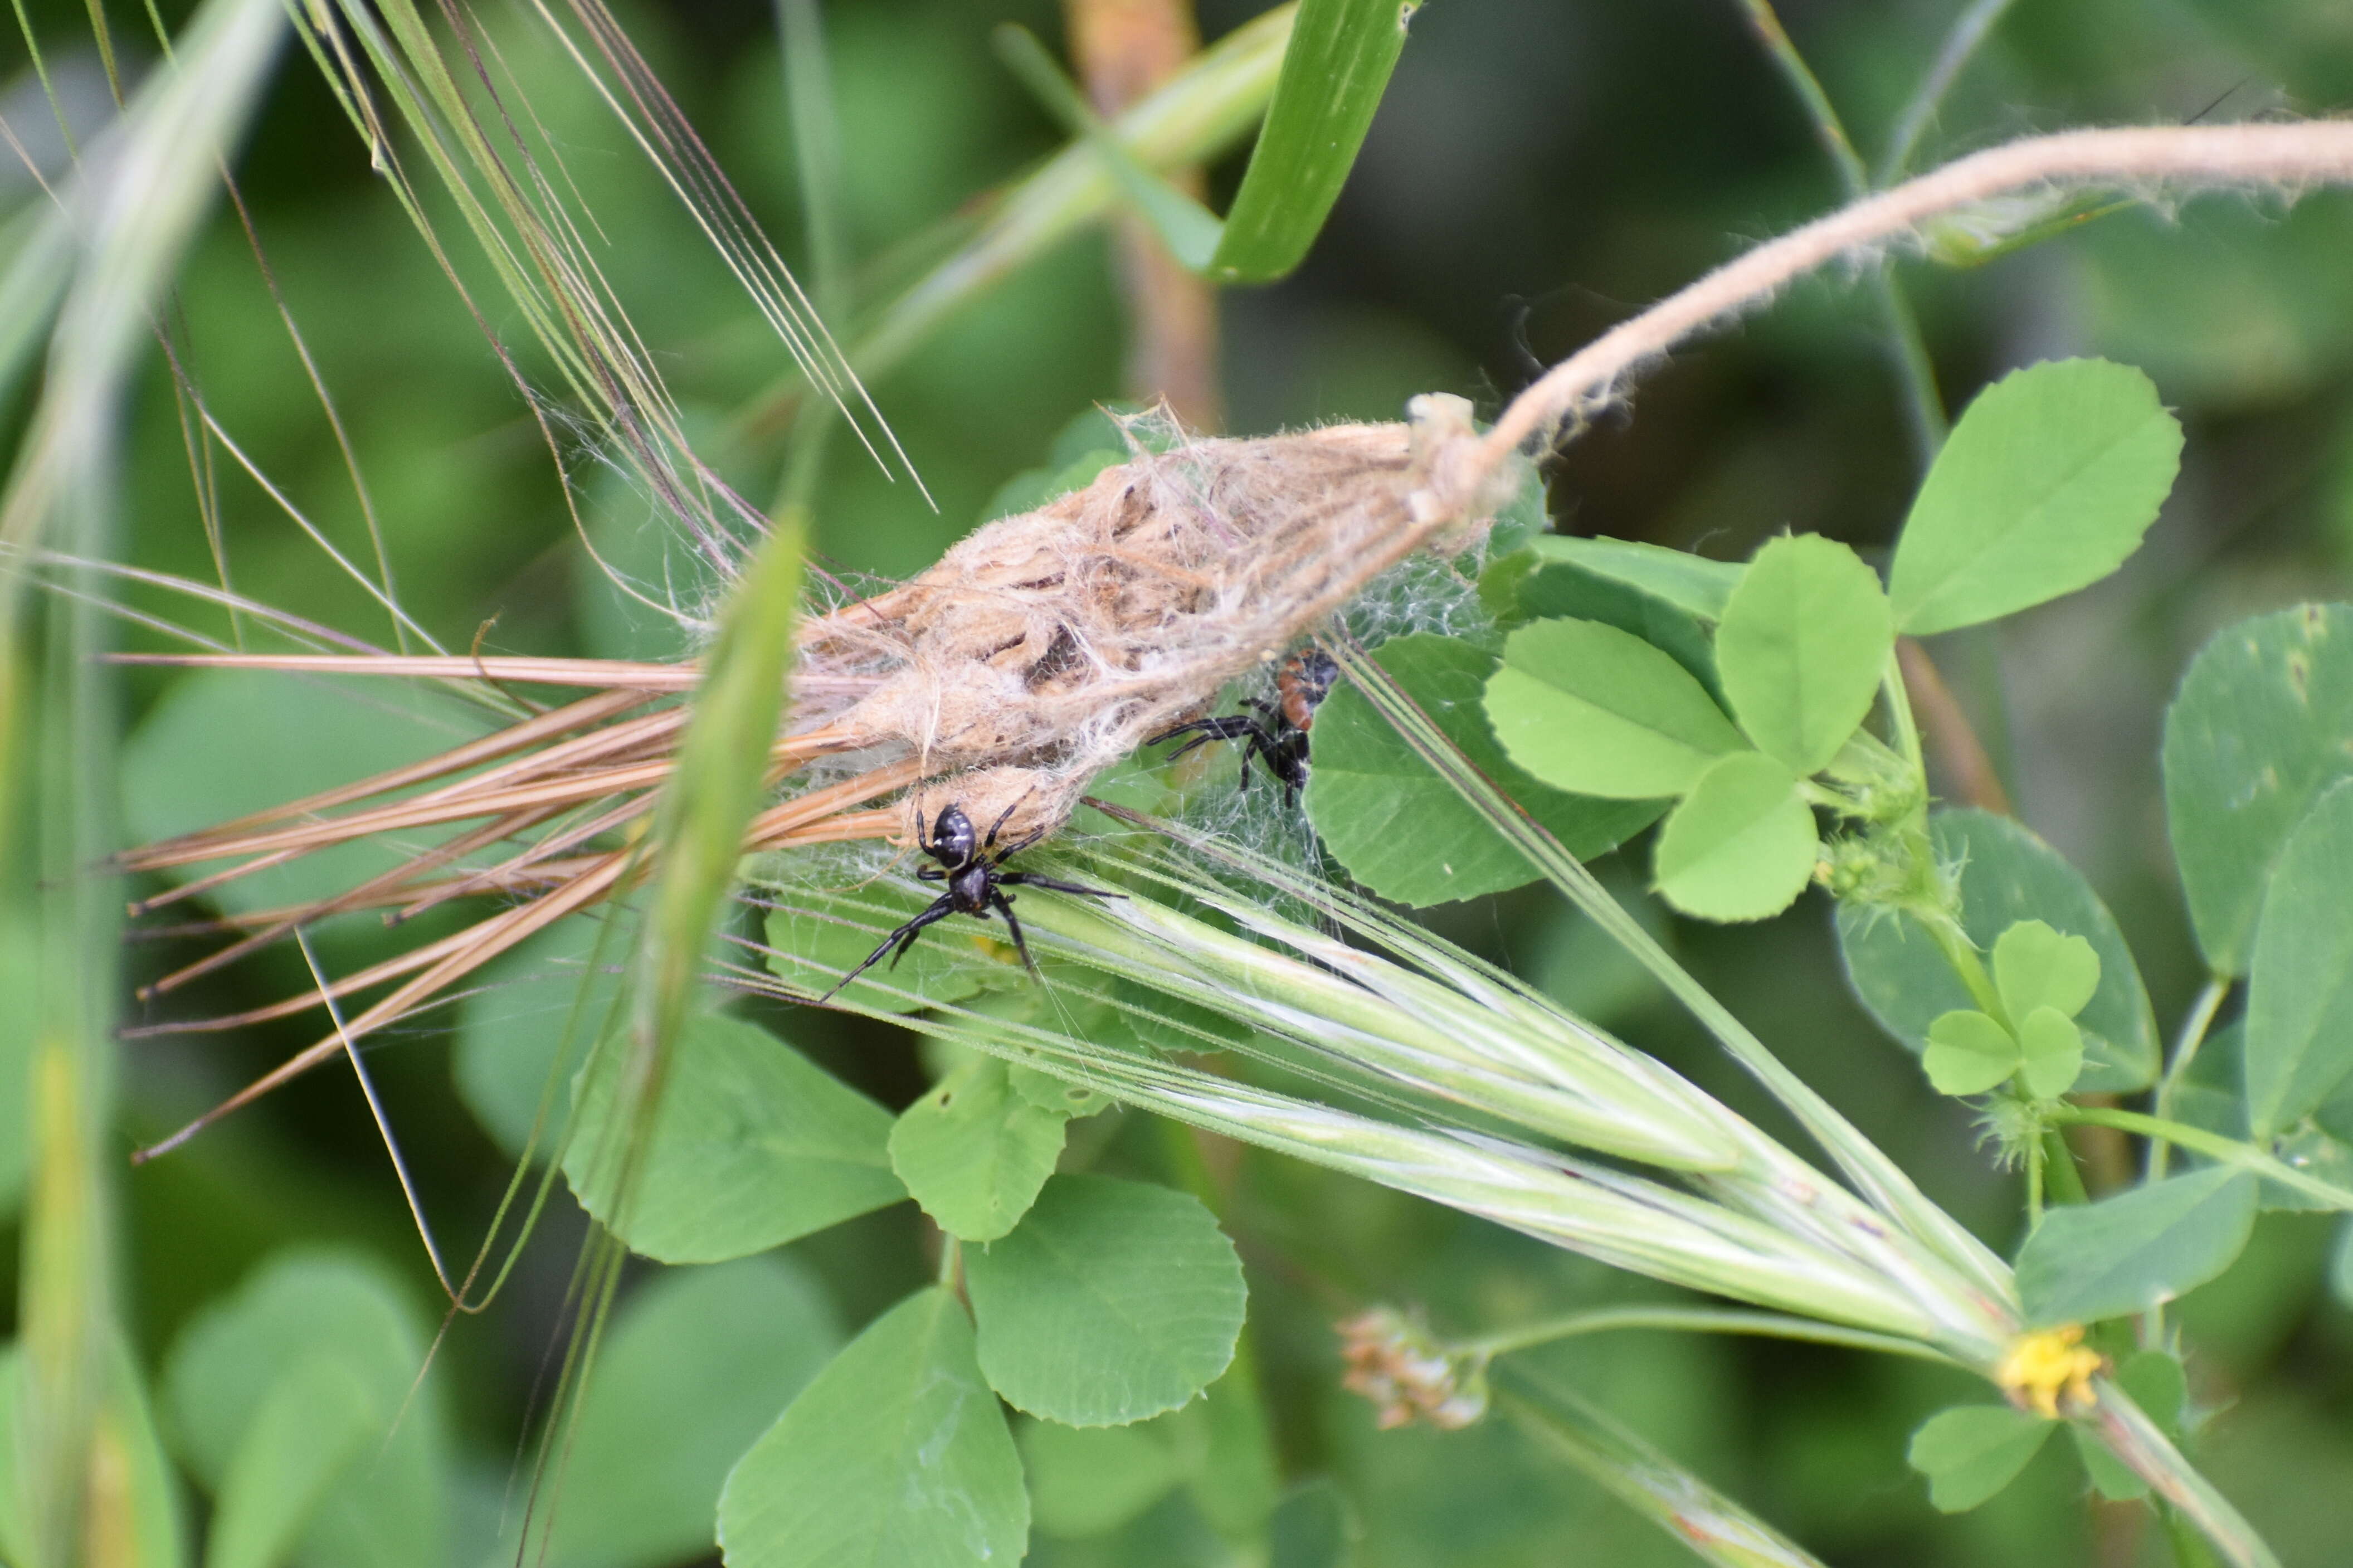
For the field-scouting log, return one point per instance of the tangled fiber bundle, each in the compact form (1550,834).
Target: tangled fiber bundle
(1046,645)
(1041,649)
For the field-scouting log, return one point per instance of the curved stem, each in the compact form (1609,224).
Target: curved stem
(2213,1145)
(1693,1320)
(1960,44)
(2192,157)
(1907,352)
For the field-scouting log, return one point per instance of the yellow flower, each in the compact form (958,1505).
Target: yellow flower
(2038,1367)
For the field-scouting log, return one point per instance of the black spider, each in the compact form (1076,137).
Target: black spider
(1277,735)
(976,886)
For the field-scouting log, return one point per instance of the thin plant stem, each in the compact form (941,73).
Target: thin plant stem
(2199,1019)
(2061,1180)
(1907,352)
(1960,46)
(1702,1520)
(1693,1320)
(2213,1145)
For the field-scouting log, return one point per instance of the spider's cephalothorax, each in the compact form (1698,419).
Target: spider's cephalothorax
(1275,732)
(977,881)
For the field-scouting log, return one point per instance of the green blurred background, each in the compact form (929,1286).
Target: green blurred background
(1539,171)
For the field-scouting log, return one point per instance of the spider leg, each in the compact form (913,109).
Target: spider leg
(1032,880)
(1002,818)
(1010,850)
(931,873)
(1231,727)
(1003,904)
(902,939)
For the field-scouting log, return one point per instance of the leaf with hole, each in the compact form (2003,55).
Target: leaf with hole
(973,1152)
(1741,846)
(1595,710)
(692,1369)
(1801,646)
(1969,1053)
(2254,737)
(896,1453)
(1972,1451)
(2005,875)
(2136,1250)
(2047,482)
(2299,1038)
(223,1371)
(751,1145)
(1110,1302)
(1403,831)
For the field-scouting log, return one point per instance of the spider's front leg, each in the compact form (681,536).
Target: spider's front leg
(902,939)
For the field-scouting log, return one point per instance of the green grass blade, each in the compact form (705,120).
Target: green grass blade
(1880,1179)
(721,778)
(1198,114)
(1334,73)
(1712,1525)
(1190,231)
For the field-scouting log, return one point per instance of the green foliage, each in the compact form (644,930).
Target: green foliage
(1595,710)
(1090,1480)
(1314,1526)
(2043,980)
(1692,584)
(20,958)
(2251,740)
(316,1419)
(314,1357)
(1969,1052)
(2047,482)
(2005,875)
(2136,1250)
(815,937)
(1972,1451)
(1401,830)
(224,742)
(2299,1038)
(1801,642)
(754,1146)
(690,1371)
(975,1151)
(1740,846)
(2157,1384)
(527,1026)
(897,1452)
(1110,1302)
(1334,73)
